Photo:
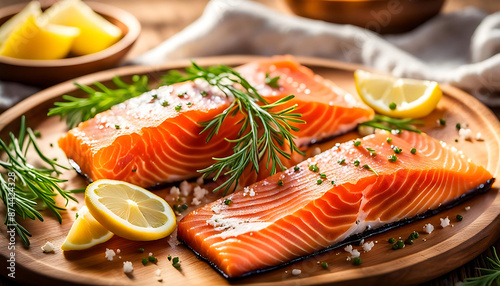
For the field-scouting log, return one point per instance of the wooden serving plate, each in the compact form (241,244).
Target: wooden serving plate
(430,256)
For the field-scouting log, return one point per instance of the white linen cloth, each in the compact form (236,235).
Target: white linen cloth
(461,48)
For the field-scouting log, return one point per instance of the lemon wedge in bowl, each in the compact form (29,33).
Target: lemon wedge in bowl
(32,9)
(397,97)
(85,232)
(96,33)
(39,42)
(129,211)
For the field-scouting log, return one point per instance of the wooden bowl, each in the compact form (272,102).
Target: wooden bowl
(381,16)
(44,73)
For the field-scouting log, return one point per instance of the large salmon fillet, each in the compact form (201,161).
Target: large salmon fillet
(154,138)
(297,212)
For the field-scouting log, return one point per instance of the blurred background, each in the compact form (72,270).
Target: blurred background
(160,19)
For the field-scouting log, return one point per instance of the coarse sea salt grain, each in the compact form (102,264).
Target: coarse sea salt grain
(185,188)
(367,246)
(465,133)
(296,272)
(48,247)
(445,222)
(428,228)
(109,254)
(467,208)
(479,136)
(174,191)
(127,267)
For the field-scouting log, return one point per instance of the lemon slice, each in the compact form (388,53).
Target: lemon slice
(397,97)
(35,42)
(129,211)
(96,33)
(85,232)
(32,9)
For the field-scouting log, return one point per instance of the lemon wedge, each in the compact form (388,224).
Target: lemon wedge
(397,97)
(85,232)
(129,211)
(35,42)
(96,33)
(32,9)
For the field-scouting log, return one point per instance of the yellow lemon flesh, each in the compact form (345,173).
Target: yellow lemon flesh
(129,211)
(397,97)
(96,33)
(32,41)
(32,9)
(85,232)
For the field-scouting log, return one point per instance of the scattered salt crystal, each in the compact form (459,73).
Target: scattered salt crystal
(158,275)
(467,208)
(479,136)
(248,191)
(120,257)
(118,250)
(200,181)
(127,267)
(355,253)
(316,151)
(174,191)
(109,254)
(216,209)
(445,222)
(348,248)
(424,239)
(348,258)
(186,188)
(428,228)
(465,133)
(296,272)
(151,254)
(195,202)
(48,247)
(367,246)
(199,192)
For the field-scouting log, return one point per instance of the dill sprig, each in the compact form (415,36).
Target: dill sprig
(389,123)
(78,109)
(22,184)
(249,148)
(490,276)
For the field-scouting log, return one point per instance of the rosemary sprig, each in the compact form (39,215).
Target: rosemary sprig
(389,123)
(249,148)
(77,109)
(22,184)
(490,276)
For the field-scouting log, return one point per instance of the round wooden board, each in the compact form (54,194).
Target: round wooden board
(430,256)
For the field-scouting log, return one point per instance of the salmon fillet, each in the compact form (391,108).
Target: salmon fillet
(155,138)
(299,211)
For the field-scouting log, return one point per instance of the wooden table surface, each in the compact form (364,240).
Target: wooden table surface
(161,19)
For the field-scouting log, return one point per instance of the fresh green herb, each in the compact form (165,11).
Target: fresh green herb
(144,261)
(389,140)
(164,103)
(322,175)
(189,104)
(203,93)
(296,168)
(397,150)
(366,166)
(490,276)
(442,121)
(458,126)
(117,127)
(392,158)
(272,82)
(392,106)
(134,170)
(169,257)
(37,134)
(227,202)
(400,244)
(141,250)
(154,96)
(280,183)
(250,147)
(356,261)
(341,161)
(313,168)
(456,140)
(324,265)
(357,143)
(413,151)
(356,163)
(319,182)
(372,151)
(22,185)
(391,240)
(180,208)
(333,183)
(176,262)
(459,217)
(414,235)
(389,123)
(178,107)
(78,109)
(409,241)
(152,259)
(76,215)
(51,145)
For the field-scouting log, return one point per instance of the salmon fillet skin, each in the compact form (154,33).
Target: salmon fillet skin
(325,200)
(155,138)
